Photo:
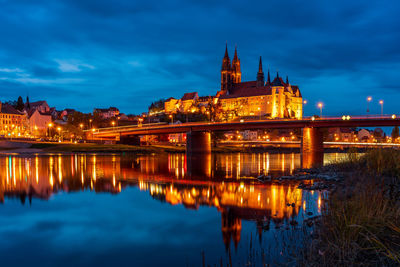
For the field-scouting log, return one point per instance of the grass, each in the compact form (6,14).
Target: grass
(360,222)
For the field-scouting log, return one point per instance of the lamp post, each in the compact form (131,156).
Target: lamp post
(320,105)
(113,124)
(49,129)
(59,133)
(172,118)
(259,112)
(381,103)
(368,100)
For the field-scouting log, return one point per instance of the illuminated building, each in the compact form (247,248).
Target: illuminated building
(12,122)
(39,122)
(171,105)
(107,113)
(270,99)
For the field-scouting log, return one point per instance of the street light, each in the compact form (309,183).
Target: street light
(305,102)
(172,118)
(259,112)
(320,105)
(368,100)
(381,103)
(48,128)
(59,133)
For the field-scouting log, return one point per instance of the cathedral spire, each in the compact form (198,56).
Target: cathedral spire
(260,75)
(269,78)
(226,50)
(235,57)
(287,79)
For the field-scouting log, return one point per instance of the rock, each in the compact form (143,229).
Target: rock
(264,178)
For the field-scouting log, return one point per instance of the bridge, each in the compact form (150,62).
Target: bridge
(198,137)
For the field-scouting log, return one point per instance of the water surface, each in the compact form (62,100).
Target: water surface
(149,210)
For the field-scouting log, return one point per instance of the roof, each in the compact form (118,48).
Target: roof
(204,98)
(8,109)
(32,111)
(37,103)
(169,99)
(278,82)
(247,89)
(105,109)
(189,96)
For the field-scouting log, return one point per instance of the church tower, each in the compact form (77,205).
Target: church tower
(260,75)
(226,72)
(236,72)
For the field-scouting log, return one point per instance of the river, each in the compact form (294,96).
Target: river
(151,210)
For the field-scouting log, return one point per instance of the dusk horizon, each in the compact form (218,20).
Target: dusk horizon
(199,133)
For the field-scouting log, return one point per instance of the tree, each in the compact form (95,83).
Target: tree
(20,104)
(395,133)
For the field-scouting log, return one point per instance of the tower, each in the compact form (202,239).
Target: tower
(236,72)
(226,72)
(260,75)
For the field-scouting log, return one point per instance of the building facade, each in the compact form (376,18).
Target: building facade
(267,99)
(13,123)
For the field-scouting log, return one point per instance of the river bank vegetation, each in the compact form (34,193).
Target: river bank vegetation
(360,223)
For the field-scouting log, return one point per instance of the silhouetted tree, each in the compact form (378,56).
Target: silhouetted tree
(20,104)
(395,133)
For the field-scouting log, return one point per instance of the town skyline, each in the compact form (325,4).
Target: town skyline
(137,57)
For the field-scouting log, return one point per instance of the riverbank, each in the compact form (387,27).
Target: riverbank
(360,220)
(15,147)
(30,147)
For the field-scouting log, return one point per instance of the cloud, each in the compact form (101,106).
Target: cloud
(117,52)
(72,65)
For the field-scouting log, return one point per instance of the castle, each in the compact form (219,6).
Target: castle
(236,99)
(271,99)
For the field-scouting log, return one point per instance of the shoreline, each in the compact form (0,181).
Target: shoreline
(26,148)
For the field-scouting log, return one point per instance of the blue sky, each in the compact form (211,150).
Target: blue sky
(83,54)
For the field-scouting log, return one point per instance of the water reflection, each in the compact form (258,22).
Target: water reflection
(224,181)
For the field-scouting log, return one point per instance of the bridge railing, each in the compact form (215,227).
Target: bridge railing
(115,128)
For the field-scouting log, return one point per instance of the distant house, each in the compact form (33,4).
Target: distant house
(39,121)
(12,121)
(341,134)
(63,115)
(249,135)
(171,105)
(187,101)
(364,135)
(106,113)
(42,106)
(123,117)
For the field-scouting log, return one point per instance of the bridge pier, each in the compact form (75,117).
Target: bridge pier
(198,143)
(129,140)
(312,148)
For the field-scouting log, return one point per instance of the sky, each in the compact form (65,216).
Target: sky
(85,54)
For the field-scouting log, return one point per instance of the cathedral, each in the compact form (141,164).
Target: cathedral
(267,99)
